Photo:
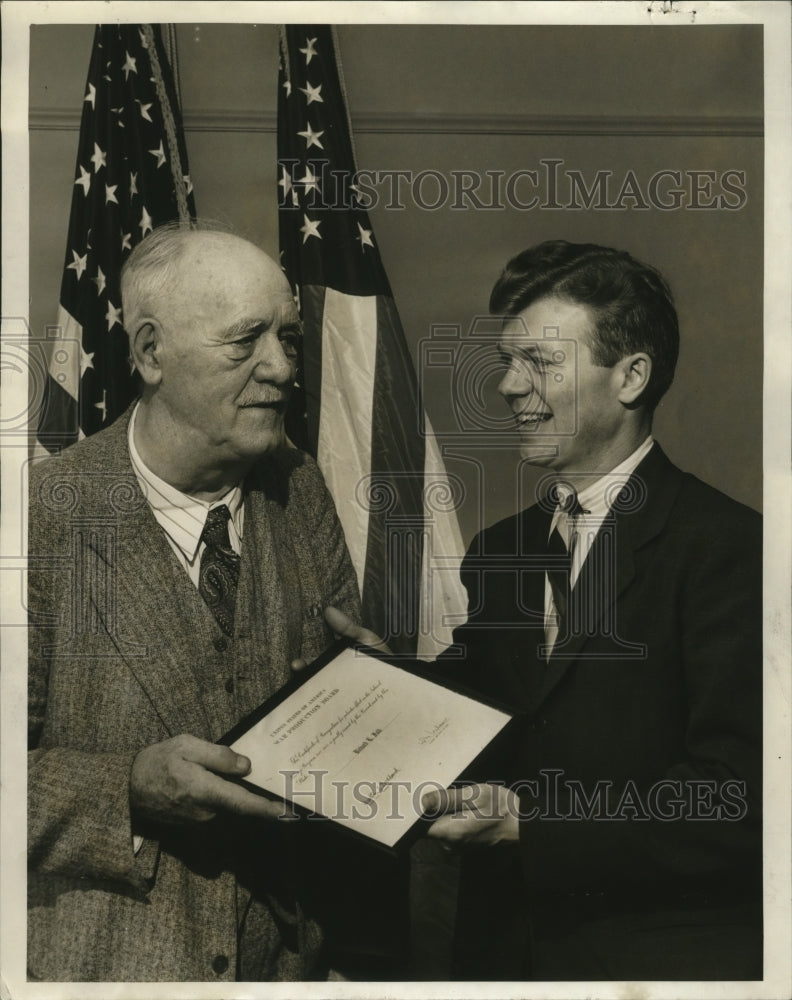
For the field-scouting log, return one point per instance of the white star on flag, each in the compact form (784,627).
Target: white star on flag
(99,159)
(160,154)
(285,182)
(287,87)
(84,179)
(86,361)
(145,223)
(310,50)
(312,93)
(310,228)
(113,316)
(78,264)
(130,66)
(365,238)
(311,137)
(309,180)
(130,180)
(103,405)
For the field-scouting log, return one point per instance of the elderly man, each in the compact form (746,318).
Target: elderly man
(179,562)
(622,615)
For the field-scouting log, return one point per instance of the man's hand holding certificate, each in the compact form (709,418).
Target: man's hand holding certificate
(361,741)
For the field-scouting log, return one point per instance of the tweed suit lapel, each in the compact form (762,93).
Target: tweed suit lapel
(638,515)
(150,634)
(269,573)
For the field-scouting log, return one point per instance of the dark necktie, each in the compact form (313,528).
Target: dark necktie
(559,573)
(219,576)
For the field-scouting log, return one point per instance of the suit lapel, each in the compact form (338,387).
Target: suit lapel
(269,600)
(152,610)
(534,527)
(145,619)
(638,515)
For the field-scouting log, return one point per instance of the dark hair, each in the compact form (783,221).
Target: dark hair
(631,304)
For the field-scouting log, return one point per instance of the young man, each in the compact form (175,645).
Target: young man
(622,615)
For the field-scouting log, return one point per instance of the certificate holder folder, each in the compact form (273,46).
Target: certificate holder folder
(358,737)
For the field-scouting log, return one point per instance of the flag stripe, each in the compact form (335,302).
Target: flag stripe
(395,529)
(305,414)
(62,408)
(443,598)
(348,364)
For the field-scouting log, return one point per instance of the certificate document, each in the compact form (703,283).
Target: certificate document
(361,741)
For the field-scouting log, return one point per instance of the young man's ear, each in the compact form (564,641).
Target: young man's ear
(144,346)
(634,372)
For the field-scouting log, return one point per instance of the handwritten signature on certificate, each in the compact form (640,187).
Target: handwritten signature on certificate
(430,735)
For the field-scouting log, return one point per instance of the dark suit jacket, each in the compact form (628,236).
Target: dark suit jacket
(124,653)
(660,680)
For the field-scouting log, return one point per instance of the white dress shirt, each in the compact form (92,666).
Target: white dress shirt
(580,530)
(181,516)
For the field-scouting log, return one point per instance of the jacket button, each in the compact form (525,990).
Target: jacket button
(229,685)
(220,643)
(220,964)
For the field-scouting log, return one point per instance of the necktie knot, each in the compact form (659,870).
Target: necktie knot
(215,530)
(570,505)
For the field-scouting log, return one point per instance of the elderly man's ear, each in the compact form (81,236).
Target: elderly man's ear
(145,345)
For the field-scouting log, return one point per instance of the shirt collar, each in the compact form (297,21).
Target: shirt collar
(599,496)
(181,516)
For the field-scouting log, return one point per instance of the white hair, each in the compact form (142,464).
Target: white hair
(152,267)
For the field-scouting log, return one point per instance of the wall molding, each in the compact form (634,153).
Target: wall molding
(205,120)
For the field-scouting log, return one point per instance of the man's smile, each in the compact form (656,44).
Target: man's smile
(531,418)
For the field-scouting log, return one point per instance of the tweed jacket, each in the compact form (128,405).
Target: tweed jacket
(655,696)
(124,653)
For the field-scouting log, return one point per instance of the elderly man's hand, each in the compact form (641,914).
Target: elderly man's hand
(183,780)
(343,625)
(473,814)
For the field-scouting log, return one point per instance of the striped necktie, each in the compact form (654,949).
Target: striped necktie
(219,575)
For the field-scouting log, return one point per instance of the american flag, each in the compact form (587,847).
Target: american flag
(131,175)
(364,419)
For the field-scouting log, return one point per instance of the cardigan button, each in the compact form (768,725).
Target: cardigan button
(229,685)
(220,643)
(220,964)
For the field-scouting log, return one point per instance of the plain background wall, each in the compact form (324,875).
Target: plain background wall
(504,98)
